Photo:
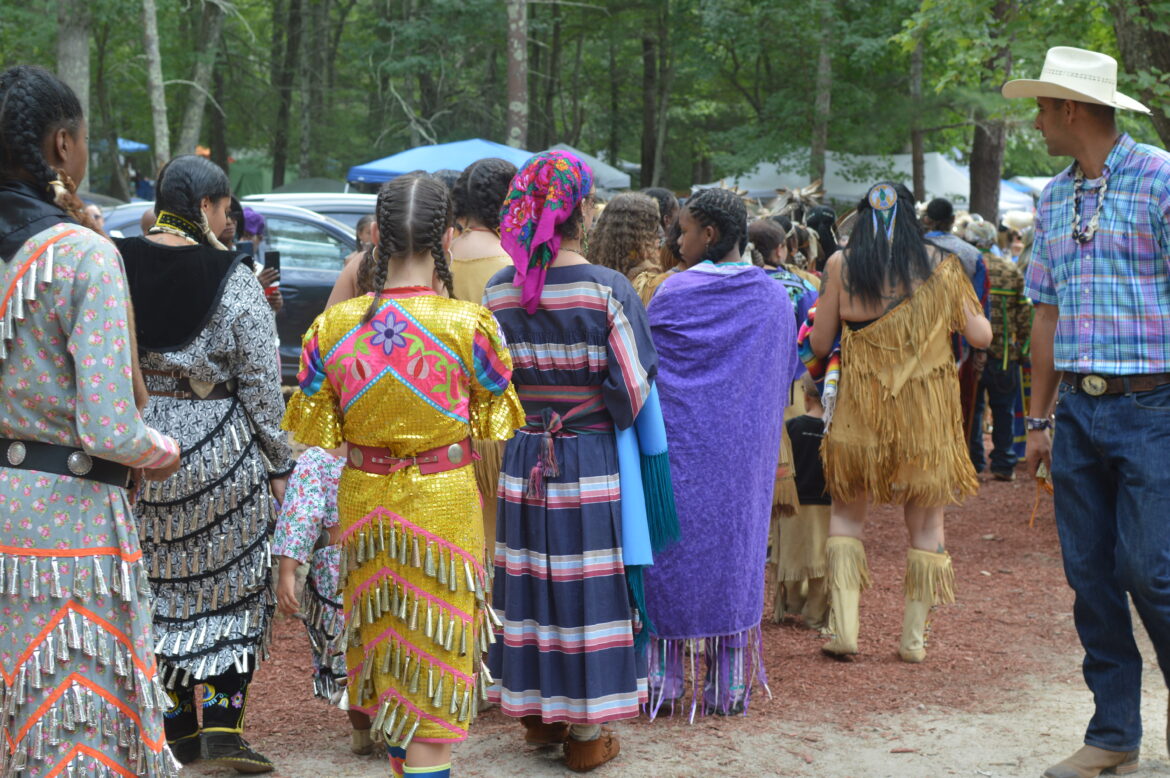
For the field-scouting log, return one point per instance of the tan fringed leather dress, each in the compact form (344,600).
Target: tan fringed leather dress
(897,431)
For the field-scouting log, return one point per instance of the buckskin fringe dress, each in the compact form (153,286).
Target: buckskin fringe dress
(309,509)
(425,372)
(78,689)
(726,337)
(207,530)
(584,363)
(897,429)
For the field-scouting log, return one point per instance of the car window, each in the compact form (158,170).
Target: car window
(346,217)
(303,245)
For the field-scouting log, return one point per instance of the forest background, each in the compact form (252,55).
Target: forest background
(693,90)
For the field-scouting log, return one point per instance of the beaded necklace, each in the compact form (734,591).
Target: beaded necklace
(1086,235)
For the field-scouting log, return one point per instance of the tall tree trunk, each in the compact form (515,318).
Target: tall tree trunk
(210,29)
(613,144)
(1145,46)
(284,88)
(119,185)
(154,85)
(991,133)
(552,81)
(219,144)
(73,53)
(649,103)
(665,77)
(917,153)
(822,92)
(517,133)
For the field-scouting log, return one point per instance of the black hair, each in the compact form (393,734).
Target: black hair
(365,221)
(823,219)
(667,203)
(448,177)
(184,182)
(724,210)
(414,210)
(874,260)
(34,104)
(480,191)
(783,220)
(940,212)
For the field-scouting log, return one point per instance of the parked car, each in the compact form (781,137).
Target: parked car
(312,250)
(345,207)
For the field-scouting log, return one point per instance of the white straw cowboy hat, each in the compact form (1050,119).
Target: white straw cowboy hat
(1076,74)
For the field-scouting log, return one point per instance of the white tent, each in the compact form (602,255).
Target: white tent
(1034,183)
(606,178)
(848,178)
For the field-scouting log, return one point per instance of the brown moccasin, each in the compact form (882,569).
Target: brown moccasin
(540,733)
(584,755)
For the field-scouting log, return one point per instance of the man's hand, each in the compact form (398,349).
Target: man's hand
(1039,451)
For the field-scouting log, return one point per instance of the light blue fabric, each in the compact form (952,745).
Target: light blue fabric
(635,527)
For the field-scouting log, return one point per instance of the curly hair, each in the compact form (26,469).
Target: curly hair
(414,210)
(725,211)
(480,191)
(626,234)
(34,104)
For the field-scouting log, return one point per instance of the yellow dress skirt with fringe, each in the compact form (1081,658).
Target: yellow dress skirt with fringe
(424,372)
(897,430)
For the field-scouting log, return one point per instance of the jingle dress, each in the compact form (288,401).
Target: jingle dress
(584,363)
(425,372)
(78,688)
(310,507)
(207,530)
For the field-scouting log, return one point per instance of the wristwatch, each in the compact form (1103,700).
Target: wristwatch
(1033,423)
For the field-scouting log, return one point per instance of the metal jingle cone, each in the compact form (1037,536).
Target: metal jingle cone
(403,673)
(437,697)
(441,567)
(415,558)
(414,679)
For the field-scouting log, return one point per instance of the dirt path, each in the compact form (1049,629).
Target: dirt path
(999,696)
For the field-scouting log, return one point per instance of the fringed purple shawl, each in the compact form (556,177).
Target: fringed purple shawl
(726,341)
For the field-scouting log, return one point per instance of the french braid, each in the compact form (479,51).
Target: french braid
(725,211)
(34,104)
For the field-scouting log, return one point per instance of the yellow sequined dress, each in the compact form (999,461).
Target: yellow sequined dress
(425,372)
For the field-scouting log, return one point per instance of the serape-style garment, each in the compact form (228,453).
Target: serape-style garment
(584,364)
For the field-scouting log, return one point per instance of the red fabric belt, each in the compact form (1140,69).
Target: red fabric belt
(379,461)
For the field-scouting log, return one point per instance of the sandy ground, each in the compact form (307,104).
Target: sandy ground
(999,696)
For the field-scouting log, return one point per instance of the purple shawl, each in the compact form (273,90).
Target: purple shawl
(726,342)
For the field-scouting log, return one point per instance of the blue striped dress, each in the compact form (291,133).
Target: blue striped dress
(582,364)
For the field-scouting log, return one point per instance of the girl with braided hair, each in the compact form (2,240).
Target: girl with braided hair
(406,378)
(206,335)
(894,429)
(726,336)
(73,589)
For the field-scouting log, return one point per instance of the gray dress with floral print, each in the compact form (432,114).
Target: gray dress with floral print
(78,692)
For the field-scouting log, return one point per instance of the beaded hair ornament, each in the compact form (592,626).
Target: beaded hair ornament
(883,199)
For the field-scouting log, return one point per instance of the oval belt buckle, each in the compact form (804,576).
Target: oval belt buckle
(16,453)
(455,453)
(79,463)
(1094,385)
(355,457)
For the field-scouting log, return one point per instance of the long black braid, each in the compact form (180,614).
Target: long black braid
(413,211)
(725,211)
(33,104)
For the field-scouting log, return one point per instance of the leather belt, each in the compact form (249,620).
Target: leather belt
(62,460)
(187,388)
(372,459)
(1096,385)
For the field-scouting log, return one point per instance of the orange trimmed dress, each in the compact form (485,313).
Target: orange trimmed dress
(425,372)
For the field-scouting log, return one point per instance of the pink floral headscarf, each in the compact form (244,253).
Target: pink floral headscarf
(543,194)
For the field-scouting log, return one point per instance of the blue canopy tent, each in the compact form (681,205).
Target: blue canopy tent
(442,156)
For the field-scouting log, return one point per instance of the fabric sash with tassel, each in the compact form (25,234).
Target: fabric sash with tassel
(826,372)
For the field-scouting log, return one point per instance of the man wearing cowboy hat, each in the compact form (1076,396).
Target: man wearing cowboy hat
(1100,277)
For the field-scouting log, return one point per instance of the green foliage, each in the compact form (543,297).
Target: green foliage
(376,76)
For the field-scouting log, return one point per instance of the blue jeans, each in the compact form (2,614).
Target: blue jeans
(1001,387)
(1112,487)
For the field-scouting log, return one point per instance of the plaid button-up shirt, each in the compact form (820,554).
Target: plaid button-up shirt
(1114,291)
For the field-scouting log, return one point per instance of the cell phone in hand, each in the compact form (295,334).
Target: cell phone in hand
(272,260)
